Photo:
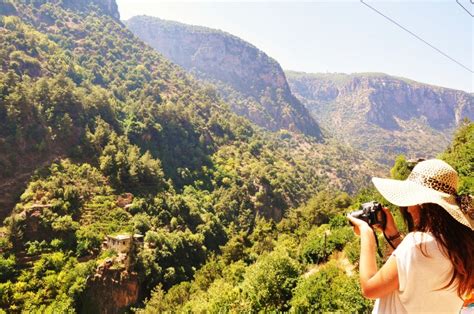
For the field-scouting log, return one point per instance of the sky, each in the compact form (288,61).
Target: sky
(342,36)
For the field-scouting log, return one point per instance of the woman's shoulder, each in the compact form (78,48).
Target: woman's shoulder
(416,239)
(421,240)
(420,237)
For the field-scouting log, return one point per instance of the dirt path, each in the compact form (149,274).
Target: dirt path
(341,260)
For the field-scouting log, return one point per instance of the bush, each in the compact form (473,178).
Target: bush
(321,242)
(7,267)
(268,284)
(329,290)
(352,251)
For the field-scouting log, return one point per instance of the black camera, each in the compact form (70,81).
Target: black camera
(371,213)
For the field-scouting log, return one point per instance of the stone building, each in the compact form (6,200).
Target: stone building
(123,243)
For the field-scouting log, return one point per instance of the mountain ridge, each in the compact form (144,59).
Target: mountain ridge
(253,83)
(332,75)
(388,114)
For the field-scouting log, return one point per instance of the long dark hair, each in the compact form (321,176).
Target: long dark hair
(456,238)
(408,219)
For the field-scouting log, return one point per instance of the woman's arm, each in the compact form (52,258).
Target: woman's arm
(374,284)
(391,233)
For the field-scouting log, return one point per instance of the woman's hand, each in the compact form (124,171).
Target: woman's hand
(359,225)
(374,284)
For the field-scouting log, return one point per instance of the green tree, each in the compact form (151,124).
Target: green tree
(7,267)
(330,289)
(460,155)
(268,284)
(400,169)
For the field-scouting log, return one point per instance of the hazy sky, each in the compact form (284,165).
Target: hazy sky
(341,36)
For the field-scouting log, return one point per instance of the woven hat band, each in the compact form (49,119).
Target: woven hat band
(431,183)
(466,204)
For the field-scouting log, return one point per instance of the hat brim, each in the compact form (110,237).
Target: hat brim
(406,193)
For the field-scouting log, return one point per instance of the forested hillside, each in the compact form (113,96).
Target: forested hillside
(252,83)
(383,115)
(102,136)
(305,263)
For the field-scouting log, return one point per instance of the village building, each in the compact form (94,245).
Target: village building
(123,243)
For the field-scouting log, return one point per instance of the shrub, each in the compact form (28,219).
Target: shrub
(268,284)
(329,290)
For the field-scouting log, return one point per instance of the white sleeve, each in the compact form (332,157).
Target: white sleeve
(404,255)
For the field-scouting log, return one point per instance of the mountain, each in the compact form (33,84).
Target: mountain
(68,76)
(251,82)
(110,76)
(102,137)
(383,115)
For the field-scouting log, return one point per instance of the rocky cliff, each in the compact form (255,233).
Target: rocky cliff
(111,291)
(382,114)
(250,81)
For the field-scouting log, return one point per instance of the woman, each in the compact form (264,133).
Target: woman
(432,269)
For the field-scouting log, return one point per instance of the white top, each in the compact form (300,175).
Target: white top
(419,278)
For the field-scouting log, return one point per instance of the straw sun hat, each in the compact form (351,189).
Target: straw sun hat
(431,181)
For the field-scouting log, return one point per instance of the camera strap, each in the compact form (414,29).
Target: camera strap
(377,242)
(390,241)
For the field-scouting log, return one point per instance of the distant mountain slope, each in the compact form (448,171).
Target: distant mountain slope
(250,81)
(381,114)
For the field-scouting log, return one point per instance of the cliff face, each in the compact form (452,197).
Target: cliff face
(384,115)
(250,81)
(111,291)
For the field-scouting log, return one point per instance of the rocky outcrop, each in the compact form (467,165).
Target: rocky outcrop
(382,114)
(250,81)
(111,291)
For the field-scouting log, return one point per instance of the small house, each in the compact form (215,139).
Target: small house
(123,243)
